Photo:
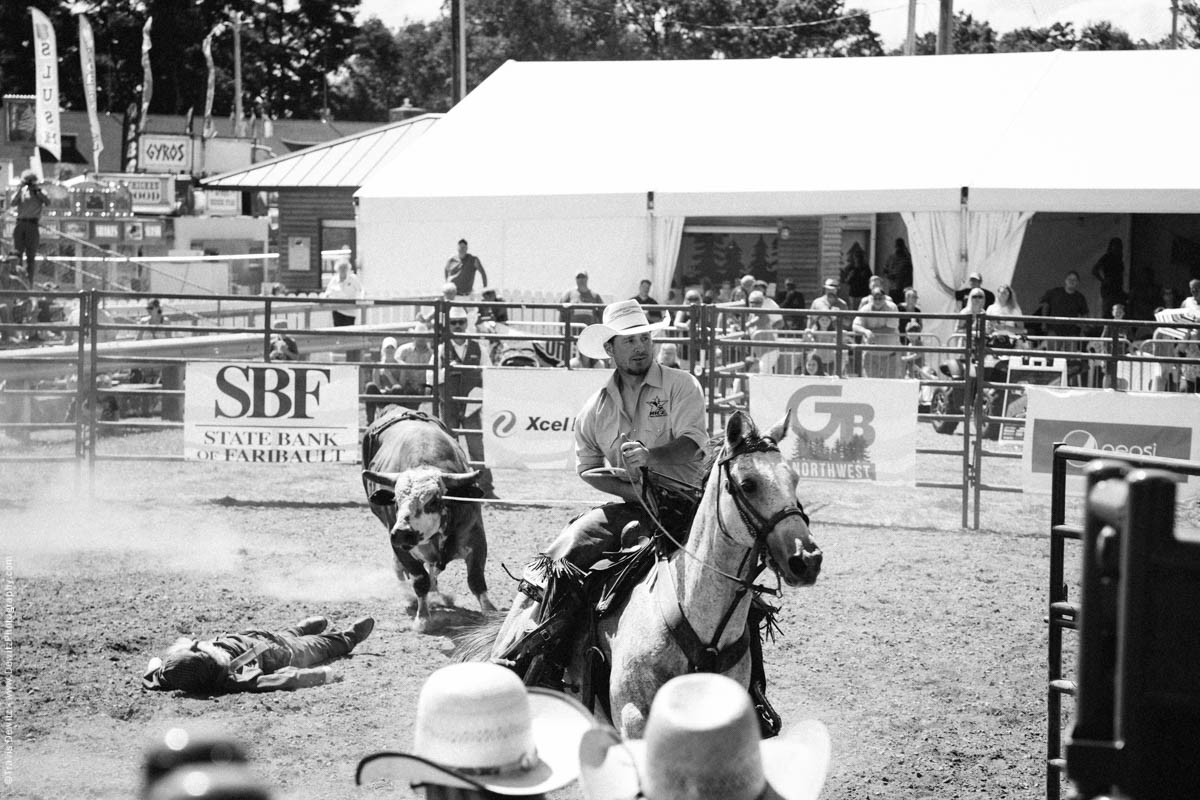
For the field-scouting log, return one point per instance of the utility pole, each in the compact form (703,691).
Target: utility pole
(238,124)
(458,50)
(945,34)
(1174,24)
(910,42)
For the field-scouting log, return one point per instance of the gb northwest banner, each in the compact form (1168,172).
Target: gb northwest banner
(862,430)
(271,413)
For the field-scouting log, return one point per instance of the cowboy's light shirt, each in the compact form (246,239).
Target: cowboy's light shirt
(669,405)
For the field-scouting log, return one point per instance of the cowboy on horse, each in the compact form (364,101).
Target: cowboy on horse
(648,424)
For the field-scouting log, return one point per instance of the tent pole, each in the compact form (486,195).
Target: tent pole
(964,237)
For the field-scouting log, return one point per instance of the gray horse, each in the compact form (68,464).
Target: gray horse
(748,515)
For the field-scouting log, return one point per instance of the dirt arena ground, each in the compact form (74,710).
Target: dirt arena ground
(922,645)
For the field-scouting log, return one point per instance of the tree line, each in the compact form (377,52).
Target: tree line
(311,57)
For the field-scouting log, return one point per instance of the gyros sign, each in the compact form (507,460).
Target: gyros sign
(1162,441)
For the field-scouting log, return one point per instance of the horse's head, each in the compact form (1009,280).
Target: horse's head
(760,489)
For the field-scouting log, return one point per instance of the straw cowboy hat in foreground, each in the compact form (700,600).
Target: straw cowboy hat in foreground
(479,729)
(623,318)
(703,743)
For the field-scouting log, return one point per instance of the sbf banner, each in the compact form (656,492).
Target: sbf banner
(860,430)
(45,59)
(529,415)
(271,413)
(1159,424)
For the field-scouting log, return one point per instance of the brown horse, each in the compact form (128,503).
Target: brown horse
(690,611)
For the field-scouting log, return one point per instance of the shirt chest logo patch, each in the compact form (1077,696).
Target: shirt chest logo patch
(658,407)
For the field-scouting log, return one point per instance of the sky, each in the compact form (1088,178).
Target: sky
(1141,19)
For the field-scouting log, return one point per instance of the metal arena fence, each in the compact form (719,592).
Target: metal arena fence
(82,366)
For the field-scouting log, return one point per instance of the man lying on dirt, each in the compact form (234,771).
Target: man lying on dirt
(647,417)
(255,660)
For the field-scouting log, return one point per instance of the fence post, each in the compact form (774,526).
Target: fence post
(568,316)
(92,396)
(85,315)
(979,325)
(267,329)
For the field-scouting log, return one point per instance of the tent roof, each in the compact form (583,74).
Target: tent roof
(1044,131)
(344,162)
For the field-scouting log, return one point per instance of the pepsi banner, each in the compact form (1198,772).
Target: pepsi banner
(529,415)
(271,413)
(1156,424)
(862,430)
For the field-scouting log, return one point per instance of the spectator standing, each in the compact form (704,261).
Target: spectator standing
(582,293)
(1110,272)
(829,301)
(449,294)
(898,269)
(28,203)
(644,299)
(281,346)
(789,297)
(1000,313)
(464,357)
(976,305)
(911,306)
(668,355)
(974,281)
(255,660)
(461,268)
(856,274)
(1064,301)
(344,286)
(683,323)
(497,314)
(878,330)
(875,282)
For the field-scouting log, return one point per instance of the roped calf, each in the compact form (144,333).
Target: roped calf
(413,470)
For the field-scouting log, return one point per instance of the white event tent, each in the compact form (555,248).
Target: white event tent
(548,168)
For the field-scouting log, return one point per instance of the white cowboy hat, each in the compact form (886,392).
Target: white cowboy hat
(703,741)
(479,728)
(622,318)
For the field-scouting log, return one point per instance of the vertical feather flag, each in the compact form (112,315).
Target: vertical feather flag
(87,62)
(45,52)
(209,130)
(147,76)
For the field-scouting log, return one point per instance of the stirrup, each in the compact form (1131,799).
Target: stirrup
(769,721)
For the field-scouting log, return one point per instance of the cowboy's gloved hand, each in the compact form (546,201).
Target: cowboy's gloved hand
(635,455)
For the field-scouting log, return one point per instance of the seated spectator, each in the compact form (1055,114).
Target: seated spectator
(878,330)
(873,283)
(497,314)
(282,346)
(418,352)
(702,742)
(1001,312)
(1168,300)
(969,316)
(480,733)
(814,365)
(385,378)
(1192,302)
(741,292)
(449,293)
(255,660)
(154,316)
(668,354)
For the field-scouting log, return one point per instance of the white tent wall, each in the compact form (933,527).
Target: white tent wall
(524,243)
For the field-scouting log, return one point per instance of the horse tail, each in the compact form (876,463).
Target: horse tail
(474,641)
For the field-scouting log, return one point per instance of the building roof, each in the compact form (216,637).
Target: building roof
(341,163)
(285,130)
(1049,131)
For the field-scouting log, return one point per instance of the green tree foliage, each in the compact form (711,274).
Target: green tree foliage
(1059,36)
(970,36)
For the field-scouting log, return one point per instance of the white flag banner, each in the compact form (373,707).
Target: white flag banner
(271,413)
(87,63)
(862,430)
(529,415)
(207,129)
(45,56)
(1157,424)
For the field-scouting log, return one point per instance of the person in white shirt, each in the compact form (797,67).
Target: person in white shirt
(344,286)
(1193,302)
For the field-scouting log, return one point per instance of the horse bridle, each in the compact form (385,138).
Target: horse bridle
(758,525)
